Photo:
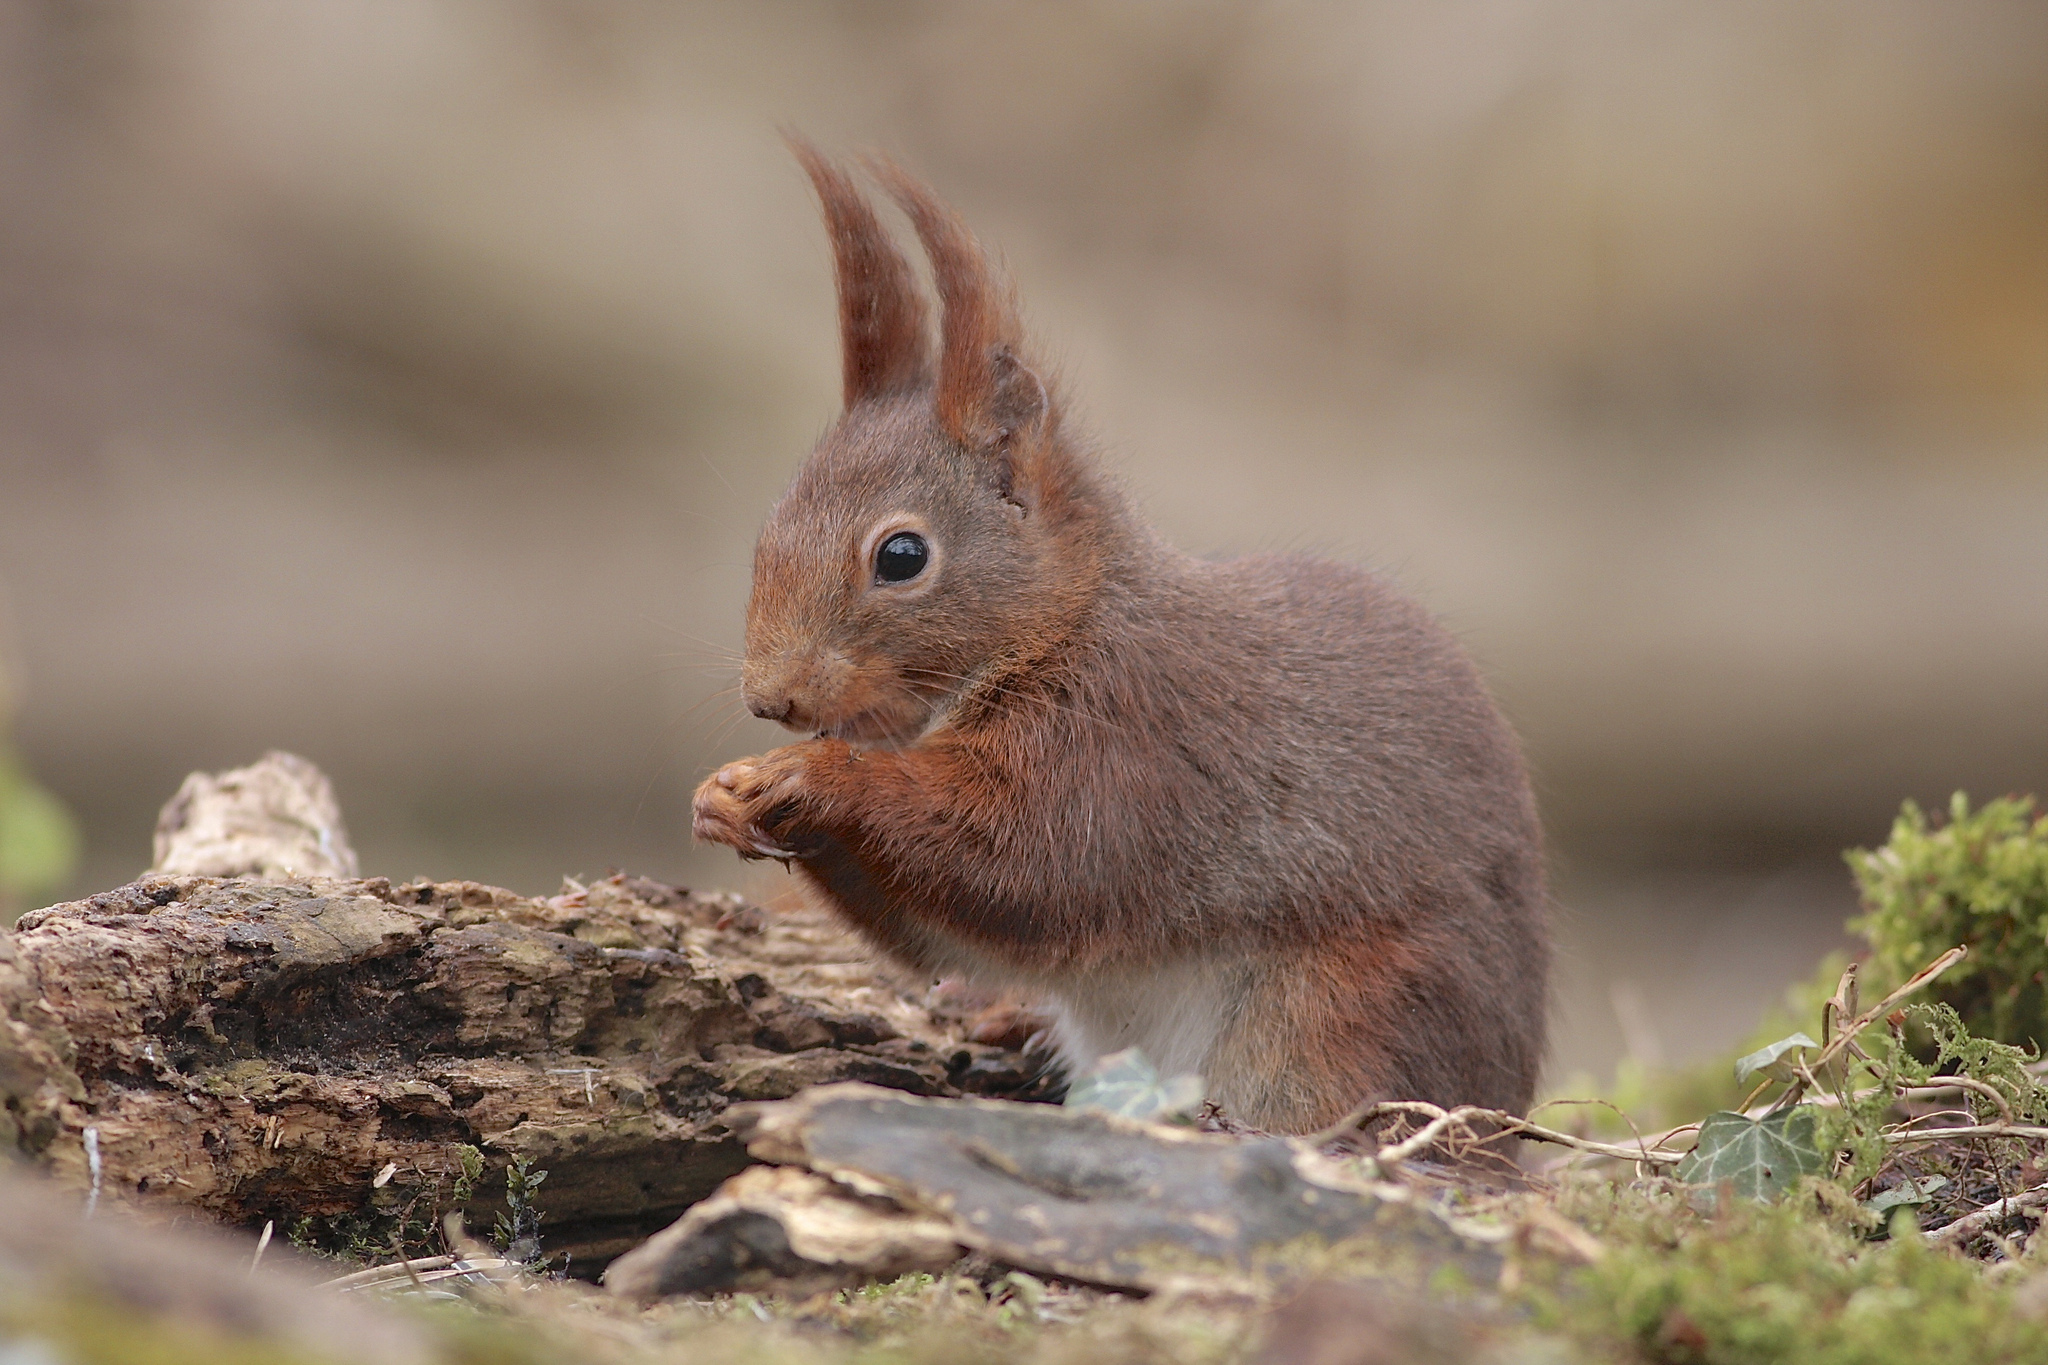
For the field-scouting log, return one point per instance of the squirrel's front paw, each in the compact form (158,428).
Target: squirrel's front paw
(735,805)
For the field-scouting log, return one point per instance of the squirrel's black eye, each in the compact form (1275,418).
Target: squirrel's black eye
(901,558)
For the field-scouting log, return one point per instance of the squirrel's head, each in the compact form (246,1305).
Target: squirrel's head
(939,530)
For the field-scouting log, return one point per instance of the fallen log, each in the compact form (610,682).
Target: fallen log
(319,1052)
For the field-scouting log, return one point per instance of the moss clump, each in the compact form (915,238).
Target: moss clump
(1980,880)
(1758,1284)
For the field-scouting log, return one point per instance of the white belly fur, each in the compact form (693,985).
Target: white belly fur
(1174,1013)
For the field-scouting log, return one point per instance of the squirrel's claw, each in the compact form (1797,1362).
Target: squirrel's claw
(727,810)
(761,848)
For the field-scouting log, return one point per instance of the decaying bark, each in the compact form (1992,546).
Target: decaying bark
(285,1050)
(873,1183)
(275,819)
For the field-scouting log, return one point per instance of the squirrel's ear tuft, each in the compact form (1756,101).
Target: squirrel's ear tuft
(881,313)
(986,392)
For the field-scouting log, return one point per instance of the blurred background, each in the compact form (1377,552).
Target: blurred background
(402,382)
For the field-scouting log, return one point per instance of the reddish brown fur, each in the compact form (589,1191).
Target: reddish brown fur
(881,314)
(981,318)
(1259,817)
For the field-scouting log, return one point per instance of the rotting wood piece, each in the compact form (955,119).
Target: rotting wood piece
(789,1230)
(1083,1195)
(263,1051)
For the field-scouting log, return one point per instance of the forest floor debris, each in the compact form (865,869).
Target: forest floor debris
(1869,1186)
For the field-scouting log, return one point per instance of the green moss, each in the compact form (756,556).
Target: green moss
(1754,1284)
(245,1077)
(1980,880)
(1757,1284)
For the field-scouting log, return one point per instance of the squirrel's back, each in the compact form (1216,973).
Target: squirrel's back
(1303,759)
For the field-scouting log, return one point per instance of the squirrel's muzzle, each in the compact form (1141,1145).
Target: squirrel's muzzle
(797,690)
(826,692)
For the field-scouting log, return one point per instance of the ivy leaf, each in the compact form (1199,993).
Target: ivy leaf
(1905,1192)
(1127,1083)
(1759,1158)
(1771,1060)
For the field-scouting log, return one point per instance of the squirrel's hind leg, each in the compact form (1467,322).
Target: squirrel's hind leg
(1311,1043)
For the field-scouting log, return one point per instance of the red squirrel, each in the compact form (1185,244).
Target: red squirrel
(1258,818)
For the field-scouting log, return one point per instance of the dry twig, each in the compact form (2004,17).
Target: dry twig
(1903,1136)
(424,1270)
(1970,1225)
(1845,1038)
(1465,1119)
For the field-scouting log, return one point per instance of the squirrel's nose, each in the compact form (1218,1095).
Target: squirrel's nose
(776,709)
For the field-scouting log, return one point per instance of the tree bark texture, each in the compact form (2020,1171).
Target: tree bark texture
(318,1052)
